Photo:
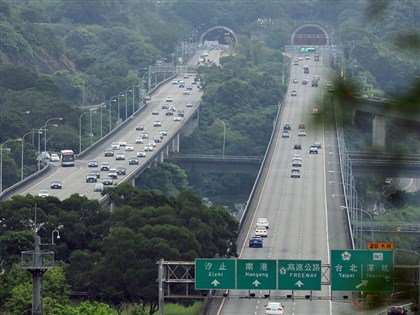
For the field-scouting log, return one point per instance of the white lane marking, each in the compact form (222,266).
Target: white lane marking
(409,185)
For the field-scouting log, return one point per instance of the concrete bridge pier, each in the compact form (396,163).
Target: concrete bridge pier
(175,144)
(161,156)
(133,182)
(379,131)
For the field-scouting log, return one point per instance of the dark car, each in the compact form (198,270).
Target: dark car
(397,310)
(91,178)
(256,241)
(96,172)
(181,113)
(109,152)
(121,170)
(105,167)
(297,147)
(93,163)
(56,184)
(107,181)
(133,161)
(287,127)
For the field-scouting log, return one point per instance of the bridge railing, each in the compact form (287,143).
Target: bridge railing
(388,227)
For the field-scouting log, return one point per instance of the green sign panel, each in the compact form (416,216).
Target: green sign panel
(256,274)
(307,49)
(215,274)
(362,270)
(299,274)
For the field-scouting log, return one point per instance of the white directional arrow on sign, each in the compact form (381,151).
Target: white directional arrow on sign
(363,283)
(299,283)
(256,283)
(215,282)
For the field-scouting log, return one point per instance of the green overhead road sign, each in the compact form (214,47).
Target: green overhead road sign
(299,274)
(215,274)
(362,270)
(256,274)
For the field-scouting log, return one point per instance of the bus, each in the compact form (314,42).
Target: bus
(67,158)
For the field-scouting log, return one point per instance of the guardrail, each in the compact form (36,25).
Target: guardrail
(208,157)
(388,227)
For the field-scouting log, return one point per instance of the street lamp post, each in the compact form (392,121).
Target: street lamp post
(282,74)
(23,141)
(118,105)
(110,112)
(143,81)
(361,223)
(1,161)
(42,129)
(80,127)
(45,136)
(224,139)
(129,89)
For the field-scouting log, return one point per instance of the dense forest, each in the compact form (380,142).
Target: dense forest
(59,55)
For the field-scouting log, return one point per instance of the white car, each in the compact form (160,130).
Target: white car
(152,143)
(295,173)
(120,156)
(43,193)
(54,157)
(261,231)
(123,143)
(129,147)
(294,93)
(174,81)
(148,148)
(145,135)
(141,154)
(155,112)
(169,99)
(189,104)
(302,133)
(274,308)
(139,140)
(177,118)
(115,146)
(262,222)
(157,123)
(186,92)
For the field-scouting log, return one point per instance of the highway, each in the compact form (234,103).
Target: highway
(295,207)
(74,178)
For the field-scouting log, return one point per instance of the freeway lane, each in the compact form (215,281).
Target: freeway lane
(73,178)
(295,207)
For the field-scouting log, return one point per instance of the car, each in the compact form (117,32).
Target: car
(107,181)
(157,123)
(133,161)
(295,173)
(186,92)
(388,181)
(294,93)
(121,170)
(317,144)
(163,132)
(91,178)
(105,166)
(330,89)
(307,58)
(157,138)
(262,222)
(396,310)
(155,112)
(255,241)
(313,149)
(300,58)
(189,87)
(169,113)
(148,148)
(108,152)
(122,143)
(56,184)
(145,135)
(180,113)
(115,146)
(189,104)
(98,187)
(296,163)
(177,118)
(130,147)
(301,133)
(113,173)
(186,76)
(94,163)
(297,156)
(287,127)
(43,193)
(174,81)
(169,99)
(152,143)
(301,126)
(96,173)
(274,308)
(147,97)
(315,111)
(295,62)
(328,83)
(261,231)
(54,157)
(165,106)
(141,154)
(317,77)
(139,140)
(297,147)
(295,81)
(285,134)
(120,157)
(139,127)
(173,109)
(305,82)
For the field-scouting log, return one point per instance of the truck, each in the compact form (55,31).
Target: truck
(314,82)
